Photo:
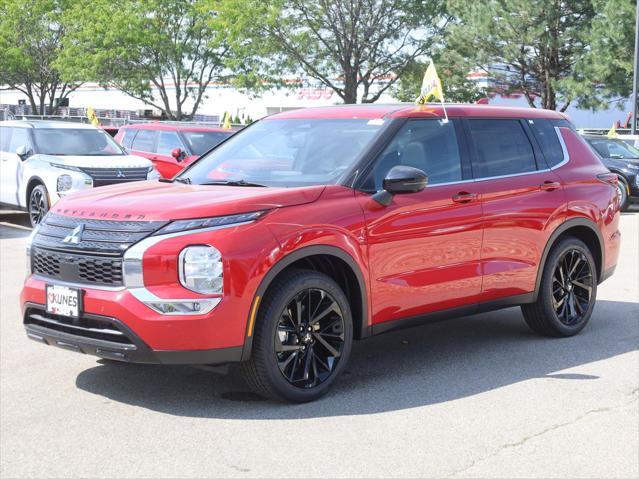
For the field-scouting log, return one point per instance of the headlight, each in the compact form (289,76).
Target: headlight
(65,182)
(65,167)
(201,269)
(632,166)
(186,225)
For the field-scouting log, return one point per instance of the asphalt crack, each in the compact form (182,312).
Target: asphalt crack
(554,427)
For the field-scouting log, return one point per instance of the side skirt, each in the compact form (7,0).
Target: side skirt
(436,316)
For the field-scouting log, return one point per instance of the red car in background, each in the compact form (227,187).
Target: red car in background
(170,147)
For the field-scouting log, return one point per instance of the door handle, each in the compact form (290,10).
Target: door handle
(550,185)
(465,197)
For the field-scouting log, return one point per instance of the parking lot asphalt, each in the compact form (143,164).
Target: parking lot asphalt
(478,396)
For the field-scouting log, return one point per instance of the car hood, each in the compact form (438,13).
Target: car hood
(115,161)
(154,200)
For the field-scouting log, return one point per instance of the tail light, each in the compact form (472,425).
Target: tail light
(609,178)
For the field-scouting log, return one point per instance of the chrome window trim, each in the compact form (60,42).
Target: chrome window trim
(566,159)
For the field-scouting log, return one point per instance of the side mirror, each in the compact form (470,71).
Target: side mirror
(178,154)
(23,152)
(400,180)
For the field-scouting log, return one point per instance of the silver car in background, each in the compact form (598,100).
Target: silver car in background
(42,161)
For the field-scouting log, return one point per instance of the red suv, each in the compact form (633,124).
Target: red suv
(170,147)
(316,227)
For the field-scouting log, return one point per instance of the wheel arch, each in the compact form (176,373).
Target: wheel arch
(330,260)
(31,184)
(583,229)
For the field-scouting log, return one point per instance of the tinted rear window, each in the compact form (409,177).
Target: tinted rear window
(546,136)
(501,148)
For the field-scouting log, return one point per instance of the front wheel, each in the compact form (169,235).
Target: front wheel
(567,291)
(38,204)
(302,339)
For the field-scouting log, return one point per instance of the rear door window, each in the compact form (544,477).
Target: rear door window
(546,136)
(169,140)
(501,148)
(145,141)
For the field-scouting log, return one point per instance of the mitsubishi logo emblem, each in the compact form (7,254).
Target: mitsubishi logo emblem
(76,235)
(120,174)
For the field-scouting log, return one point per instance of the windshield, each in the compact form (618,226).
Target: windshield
(69,141)
(202,141)
(294,152)
(614,149)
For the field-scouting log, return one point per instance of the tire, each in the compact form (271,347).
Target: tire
(289,361)
(38,205)
(570,260)
(622,189)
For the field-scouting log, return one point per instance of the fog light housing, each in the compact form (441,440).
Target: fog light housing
(201,269)
(65,183)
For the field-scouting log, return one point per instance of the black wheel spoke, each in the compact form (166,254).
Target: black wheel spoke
(309,338)
(572,287)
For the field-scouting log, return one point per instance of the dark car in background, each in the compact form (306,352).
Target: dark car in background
(170,147)
(623,160)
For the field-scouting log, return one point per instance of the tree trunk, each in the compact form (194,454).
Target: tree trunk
(350,86)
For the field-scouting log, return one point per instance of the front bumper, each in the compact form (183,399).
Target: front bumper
(109,338)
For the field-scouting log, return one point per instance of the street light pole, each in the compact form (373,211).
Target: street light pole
(634,77)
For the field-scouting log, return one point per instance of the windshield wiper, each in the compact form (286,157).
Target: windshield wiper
(232,183)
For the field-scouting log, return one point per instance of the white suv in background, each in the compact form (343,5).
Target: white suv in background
(41,161)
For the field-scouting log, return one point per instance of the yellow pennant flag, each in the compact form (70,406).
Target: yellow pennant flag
(93,118)
(431,88)
(227,121)
(612,133)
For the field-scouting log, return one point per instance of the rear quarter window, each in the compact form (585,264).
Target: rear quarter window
(546,136)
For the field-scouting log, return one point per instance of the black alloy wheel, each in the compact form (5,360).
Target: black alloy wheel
(38,204)
(309,338)
(572,287)
(567,290)
(302,338)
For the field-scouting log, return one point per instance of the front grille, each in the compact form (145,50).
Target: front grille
(111,176)
(75,268)
(96,257)
(86,326)
(102,237)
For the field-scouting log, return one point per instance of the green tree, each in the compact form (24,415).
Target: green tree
(532,47)
(31,37)
(357,48)
(607,67)
(163,52)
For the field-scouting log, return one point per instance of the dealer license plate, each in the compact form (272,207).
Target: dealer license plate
(63,301)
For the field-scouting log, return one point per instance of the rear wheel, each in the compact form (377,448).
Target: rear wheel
(38,204)
(302,339)
(567,291)
(622,189)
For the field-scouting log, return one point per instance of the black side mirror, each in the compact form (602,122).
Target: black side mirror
(23,152)
(178,154)
(400,180)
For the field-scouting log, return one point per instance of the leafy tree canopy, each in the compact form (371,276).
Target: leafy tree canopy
(31,37)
